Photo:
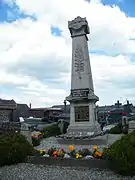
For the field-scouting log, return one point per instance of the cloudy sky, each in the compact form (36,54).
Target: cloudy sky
(35,49)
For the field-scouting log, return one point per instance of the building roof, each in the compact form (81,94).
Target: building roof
(22,108)
(7,104)
(40,109)
(61,106)
(46,109)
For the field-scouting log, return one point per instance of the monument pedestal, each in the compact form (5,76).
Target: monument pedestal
(83,117)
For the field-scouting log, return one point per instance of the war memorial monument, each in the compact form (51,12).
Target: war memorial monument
(83,115)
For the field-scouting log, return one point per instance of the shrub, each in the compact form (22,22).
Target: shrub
(121,154)
(53,130)
(14,148)
(116,130)
(66,124)
(125,130)
(36,141)
(36,138)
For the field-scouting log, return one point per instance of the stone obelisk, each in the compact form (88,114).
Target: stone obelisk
(83,116)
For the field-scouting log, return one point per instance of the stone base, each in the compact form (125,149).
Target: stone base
(84,130)
(70,162)
(98,140)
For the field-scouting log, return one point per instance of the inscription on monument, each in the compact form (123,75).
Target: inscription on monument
(81,113)
(80,92)
(79,59)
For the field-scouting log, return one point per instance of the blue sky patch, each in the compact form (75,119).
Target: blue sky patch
(132,58)
(55,31)
(103,53)
(12,13)
(127,6)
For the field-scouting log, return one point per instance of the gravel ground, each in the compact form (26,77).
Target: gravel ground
(50,142)
(33,172)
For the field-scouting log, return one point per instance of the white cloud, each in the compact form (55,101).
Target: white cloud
(110,28)
(10,78)
(38,64)
(114,77)
(41,95)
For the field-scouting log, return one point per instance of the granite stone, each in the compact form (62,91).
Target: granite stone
(83,116)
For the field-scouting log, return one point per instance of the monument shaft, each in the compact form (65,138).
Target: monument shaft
(83,119)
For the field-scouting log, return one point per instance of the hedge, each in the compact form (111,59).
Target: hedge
(116,130)
(53,130)
(14,148)
(122,154)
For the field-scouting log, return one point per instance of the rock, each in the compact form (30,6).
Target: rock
(89,157)
(66,156)
(46,155)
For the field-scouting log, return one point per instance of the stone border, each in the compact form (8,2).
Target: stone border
(90,163)
(92,141)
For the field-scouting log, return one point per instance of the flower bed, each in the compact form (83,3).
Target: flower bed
(81,158)
(36,138)
(72,153)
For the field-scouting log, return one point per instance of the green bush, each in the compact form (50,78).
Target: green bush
(125,130)
(14,148)
(66,124)
(116,130)
(122,154)
(53,130)
(36,141)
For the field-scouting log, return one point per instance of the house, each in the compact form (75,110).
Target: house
(10,111)
(7,110)
(48,113)
(22,110)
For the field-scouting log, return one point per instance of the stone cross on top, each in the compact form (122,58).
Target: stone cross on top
(78,26)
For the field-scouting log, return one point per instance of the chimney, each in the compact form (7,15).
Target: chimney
(118,103)
(30,105)
(127,102)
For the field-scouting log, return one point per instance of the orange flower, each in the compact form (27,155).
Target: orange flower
(59,153)
(55,153)
(95,148)
(96,153)
(100,154)
(71,148)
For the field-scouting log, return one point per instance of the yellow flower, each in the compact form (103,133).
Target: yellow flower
(42,152)
(71,148)
(38,133)
(77,156)
(95,148)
